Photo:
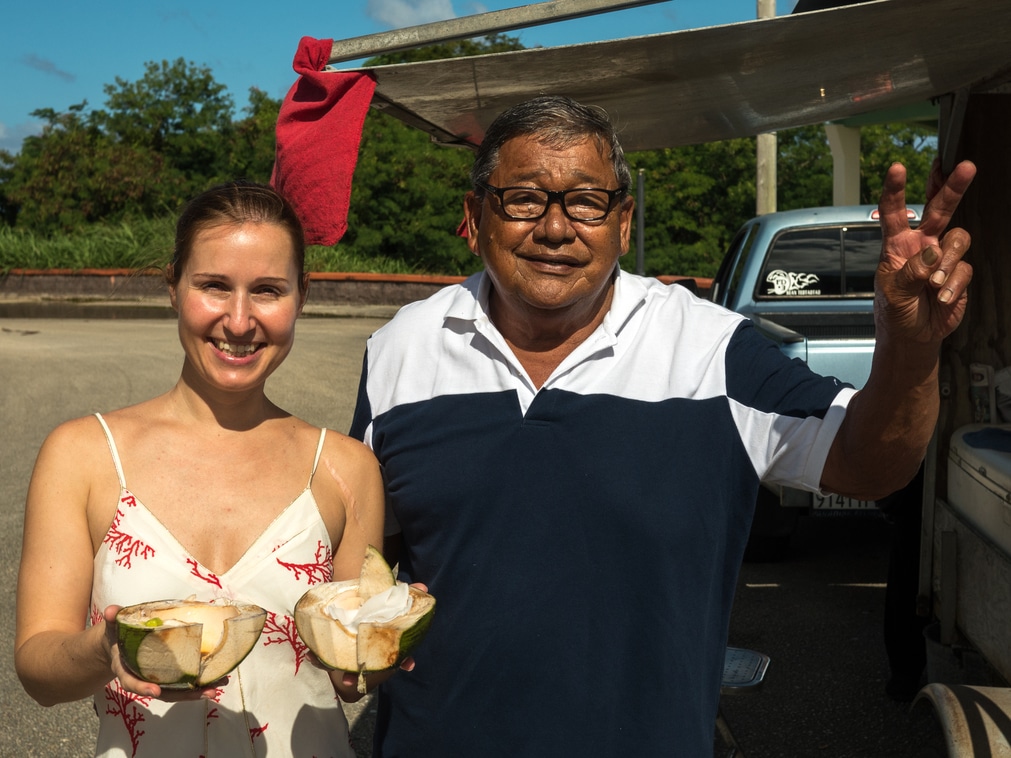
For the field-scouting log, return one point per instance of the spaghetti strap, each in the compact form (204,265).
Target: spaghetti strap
(112,449)
(319,451)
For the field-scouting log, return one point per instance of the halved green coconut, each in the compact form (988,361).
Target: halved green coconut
(183,644)
(348,624)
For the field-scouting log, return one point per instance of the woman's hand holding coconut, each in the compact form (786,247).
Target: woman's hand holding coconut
(364,630)
(131,682)
(348,684)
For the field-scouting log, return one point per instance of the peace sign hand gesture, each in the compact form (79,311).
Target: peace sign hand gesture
(921,277)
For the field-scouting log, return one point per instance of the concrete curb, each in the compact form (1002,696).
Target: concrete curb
(125,293)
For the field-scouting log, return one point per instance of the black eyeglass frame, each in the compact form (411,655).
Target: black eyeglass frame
(555,196)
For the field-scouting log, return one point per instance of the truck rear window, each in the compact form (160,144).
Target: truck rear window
(821,262)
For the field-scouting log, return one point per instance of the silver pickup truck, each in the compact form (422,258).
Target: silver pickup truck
(806,278)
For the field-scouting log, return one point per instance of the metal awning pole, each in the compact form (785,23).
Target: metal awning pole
(479,25)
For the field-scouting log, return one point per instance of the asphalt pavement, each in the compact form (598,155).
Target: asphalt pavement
(818,614)
(52,370)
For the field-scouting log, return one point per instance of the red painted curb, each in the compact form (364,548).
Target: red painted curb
(703,283)
(326,276)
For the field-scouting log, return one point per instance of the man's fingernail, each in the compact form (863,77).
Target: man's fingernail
(937,278)
(929,256)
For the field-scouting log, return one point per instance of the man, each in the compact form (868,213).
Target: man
(572,454)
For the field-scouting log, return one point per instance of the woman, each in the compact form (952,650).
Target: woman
(209,490)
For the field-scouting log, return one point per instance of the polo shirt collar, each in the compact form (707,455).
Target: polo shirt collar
(470,302)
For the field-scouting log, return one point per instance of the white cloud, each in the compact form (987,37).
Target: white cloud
(400,13)
(11,137)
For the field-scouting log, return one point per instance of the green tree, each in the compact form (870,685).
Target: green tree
(803,168)
(8,206)
(253,138)
(73,174)
(407,193)
(492,43)
(161,140)
(804,174)
(178,111)
(695,198)
(407,199)
(881,145)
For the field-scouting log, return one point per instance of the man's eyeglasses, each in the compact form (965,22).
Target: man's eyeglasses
(531,203)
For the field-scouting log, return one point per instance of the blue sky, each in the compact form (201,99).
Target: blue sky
(61,53)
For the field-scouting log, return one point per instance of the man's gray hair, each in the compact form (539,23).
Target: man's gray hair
(556,121)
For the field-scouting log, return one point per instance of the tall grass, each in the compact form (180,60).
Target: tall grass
(336,258)
(143,243)
(128,245)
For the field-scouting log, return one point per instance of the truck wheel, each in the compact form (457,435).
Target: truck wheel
(771,530)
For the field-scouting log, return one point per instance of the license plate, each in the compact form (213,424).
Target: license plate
(839,503)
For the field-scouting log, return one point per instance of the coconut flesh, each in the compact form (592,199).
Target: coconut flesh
(183,644)
(367,624)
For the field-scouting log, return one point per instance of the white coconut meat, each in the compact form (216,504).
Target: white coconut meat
(350,609)
(181,644)
(368,624)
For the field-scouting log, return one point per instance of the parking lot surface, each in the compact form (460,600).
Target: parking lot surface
(818,614)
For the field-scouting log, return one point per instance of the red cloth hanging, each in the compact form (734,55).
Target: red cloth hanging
(319,128)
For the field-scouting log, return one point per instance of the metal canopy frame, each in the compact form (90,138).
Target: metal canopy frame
(479,25)
(716,83)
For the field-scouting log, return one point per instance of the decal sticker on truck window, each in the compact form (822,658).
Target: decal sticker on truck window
(784,283)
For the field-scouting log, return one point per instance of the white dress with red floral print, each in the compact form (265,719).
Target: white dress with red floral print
(276,703)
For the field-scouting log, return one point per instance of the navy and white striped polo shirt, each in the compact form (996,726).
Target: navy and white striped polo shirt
(582,539)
